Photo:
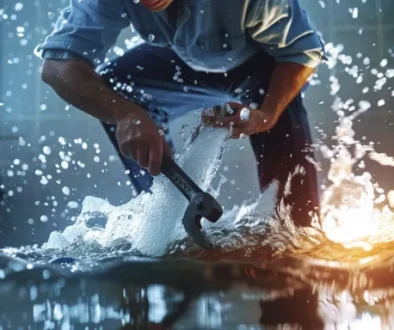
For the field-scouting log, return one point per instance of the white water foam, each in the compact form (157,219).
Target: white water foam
(152,222)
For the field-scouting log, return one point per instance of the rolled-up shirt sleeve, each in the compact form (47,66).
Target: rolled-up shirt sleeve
(283,29)
(87,29)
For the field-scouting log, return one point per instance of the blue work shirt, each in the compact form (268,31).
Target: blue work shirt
(209,35)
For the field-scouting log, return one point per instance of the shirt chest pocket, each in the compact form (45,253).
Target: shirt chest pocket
(221,43)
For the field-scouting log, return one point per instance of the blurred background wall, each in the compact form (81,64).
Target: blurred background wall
(52,155)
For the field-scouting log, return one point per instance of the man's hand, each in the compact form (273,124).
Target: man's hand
(286,83)
(243,121)
(139,138)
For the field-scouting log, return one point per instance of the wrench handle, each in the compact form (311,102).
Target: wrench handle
(179,178)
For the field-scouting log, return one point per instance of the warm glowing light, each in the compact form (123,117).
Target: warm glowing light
(348,213)
(367,322)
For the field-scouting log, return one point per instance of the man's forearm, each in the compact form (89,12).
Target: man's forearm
(286,83)
(78,84)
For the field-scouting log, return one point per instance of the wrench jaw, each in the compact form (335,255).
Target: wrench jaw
(210,208)
(192,224)
(202,205)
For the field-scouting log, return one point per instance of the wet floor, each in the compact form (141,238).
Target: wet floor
(252,288)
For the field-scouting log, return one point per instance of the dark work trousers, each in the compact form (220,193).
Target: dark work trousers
(158,80)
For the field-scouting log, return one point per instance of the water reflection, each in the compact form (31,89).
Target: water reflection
(289,292)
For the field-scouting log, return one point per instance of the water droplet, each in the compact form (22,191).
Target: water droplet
(244,114)
(61,140)
(64,164)
(390,73)
(229,110)
(46,150)
(66,190)
(18,6)
(253,106)
(151,37)
(136,121)
(72,205)
(384,63)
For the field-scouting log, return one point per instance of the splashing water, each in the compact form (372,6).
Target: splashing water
(351,207)
(151,223)
(349,214)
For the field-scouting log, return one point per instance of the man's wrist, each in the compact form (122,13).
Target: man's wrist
(125,110)
(269,118)
(271,112)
